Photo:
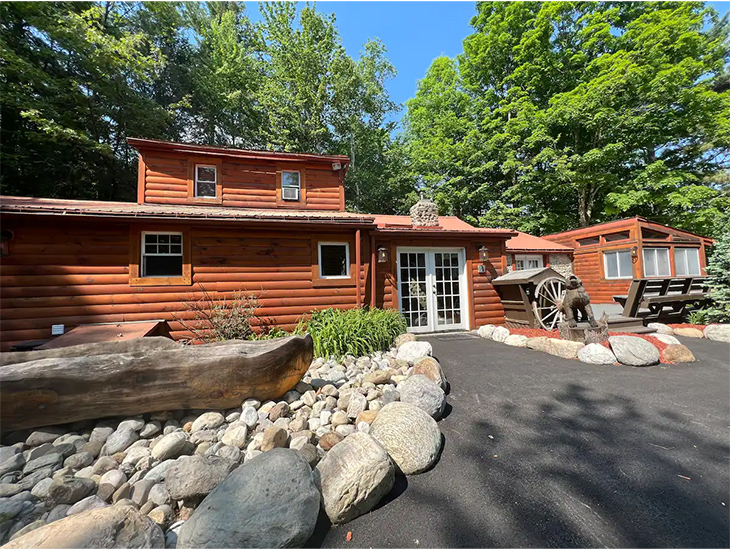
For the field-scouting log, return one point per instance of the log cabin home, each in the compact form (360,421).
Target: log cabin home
(220,221)
(608,256)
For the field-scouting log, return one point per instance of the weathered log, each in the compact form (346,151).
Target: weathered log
(61,390)
(135,346)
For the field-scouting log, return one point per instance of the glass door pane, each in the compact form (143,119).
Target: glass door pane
(414,289)
(447,289)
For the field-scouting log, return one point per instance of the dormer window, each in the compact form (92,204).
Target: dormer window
(206,181)
(291,186)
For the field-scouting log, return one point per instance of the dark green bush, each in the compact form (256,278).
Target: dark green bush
(357,332)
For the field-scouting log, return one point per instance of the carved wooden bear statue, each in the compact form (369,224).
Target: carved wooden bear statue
(576,301)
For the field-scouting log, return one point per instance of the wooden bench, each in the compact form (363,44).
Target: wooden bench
(656,295)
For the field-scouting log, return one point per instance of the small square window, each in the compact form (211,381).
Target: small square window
(290,186)
(206,181)
(162,255)
(334,260)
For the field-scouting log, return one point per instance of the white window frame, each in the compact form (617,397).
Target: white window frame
(524,258)
(656,261)
(298,186)
(215,182)
(618,264)
(143,253)
(684,250)
(347,259)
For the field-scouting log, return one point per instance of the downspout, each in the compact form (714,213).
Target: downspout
(358,295)
(373,262)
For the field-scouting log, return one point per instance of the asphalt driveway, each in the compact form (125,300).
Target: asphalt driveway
(546,452)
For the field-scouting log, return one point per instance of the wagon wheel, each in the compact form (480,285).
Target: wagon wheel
(545,304)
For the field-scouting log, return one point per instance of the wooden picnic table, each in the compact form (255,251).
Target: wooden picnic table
(663,297)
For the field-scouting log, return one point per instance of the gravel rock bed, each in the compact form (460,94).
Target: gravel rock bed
(165,465)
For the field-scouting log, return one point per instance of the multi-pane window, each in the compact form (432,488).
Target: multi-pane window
(291,187)
(206,180)
(617,264)
(656,262)
(162,255)
(687,261)
(448,293)
(334,260)
(524,261)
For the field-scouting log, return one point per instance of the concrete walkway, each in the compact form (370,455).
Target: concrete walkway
(546,452)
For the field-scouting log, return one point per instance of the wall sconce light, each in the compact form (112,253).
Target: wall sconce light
(635,252)
(5,237)
(483,254)
(383,254)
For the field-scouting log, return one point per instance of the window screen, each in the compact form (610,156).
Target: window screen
(205,181)
(687,261)
(656,262)
(334,260)
(618,264)
(162,255)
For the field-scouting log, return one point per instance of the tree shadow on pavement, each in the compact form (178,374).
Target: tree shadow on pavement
(585,469)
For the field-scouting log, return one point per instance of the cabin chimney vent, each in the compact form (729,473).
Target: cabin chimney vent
(424,213)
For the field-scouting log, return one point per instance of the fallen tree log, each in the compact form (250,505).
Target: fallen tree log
(61,390)
(136,346)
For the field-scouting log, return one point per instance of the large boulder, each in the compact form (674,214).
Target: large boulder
(555,346)
(516,340)
(678,353)
(661,328)
(411,437)
(719,333)
(353,477)
(500,334)
(688,332)
(423,392)
(485,331)
(410,351)
(596,354)
(430,367)
(271,501)
(634,351)
(110,527)
(667,339)
(194,476)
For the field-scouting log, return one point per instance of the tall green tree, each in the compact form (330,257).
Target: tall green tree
(564,114)
(73,78)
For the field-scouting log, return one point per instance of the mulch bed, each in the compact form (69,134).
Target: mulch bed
(687,325)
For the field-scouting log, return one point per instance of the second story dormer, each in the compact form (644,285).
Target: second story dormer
(176,173)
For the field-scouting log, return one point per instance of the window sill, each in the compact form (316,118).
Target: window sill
(159,281)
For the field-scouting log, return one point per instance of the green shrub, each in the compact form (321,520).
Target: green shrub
(718,270)
(357,332)
(698,317)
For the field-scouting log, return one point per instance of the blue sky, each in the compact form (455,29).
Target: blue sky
(415,33)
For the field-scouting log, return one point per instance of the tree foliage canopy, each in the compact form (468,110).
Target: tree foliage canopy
(564,114)
(78,78)
(556,114)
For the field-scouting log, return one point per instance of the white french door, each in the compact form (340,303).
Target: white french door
(432,288)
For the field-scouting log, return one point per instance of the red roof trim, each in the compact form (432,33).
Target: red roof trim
(157,145)
(622,221)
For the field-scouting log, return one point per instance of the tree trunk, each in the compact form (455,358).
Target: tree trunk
(212,376)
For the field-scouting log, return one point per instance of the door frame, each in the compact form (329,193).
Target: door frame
(464,297)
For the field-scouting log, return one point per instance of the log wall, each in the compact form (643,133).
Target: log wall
(168,178)
(76,271)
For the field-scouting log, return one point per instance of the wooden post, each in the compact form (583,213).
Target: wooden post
(373,270)
(358,296)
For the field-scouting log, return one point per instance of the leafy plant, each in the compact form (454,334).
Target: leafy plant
(357,332)
(218,319)
(698,317)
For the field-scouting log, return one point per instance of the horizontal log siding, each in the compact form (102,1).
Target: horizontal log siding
(485,306)
(244,184)
(73,272)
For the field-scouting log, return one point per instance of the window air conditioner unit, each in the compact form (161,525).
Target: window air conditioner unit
(290,193)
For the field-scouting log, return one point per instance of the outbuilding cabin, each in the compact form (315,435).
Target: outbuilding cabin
(220,221)
(608,256)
